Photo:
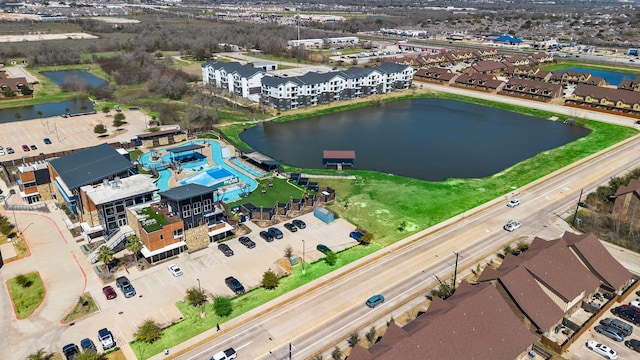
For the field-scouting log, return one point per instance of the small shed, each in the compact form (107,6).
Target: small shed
(266,65)
(323,214)
(338,157)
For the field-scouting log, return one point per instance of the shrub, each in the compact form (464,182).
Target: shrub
(118,119)
(353,339)
(23,281)
(149,331)
(100,129)
(195,296)
(331,258)
(222,306)
(270,280)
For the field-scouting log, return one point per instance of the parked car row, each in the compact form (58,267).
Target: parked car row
(25,147)
(72,351)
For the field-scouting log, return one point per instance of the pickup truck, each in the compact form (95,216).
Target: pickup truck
(225,355)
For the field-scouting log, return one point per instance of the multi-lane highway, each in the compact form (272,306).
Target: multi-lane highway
(319,316)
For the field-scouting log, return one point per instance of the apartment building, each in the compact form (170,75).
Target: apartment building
(242,80)
(160,230)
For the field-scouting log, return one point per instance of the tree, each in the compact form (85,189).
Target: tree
(105,255)
(40,355)
(195,296)
(118,119)
(353,339)
(331,258)
(23,281)
(222,306)
(371,335)
(288,251)
(336,354)
(100,129)
(134,245)
(26,90)
(149,331)
(270,280)
(105,109)
(5,225)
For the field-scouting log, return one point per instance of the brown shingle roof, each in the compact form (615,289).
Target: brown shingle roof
(596,257)
(614,95)
(488,65)
(633,186)
(468,330)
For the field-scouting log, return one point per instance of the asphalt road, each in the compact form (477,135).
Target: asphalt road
(316,319)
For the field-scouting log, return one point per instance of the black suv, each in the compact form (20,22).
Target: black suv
(266,235)
(290,227)
(127,289)
(247,242)
(627,314)
(275,232)
(71,351)
(226,250)
(299,223)
(234,285)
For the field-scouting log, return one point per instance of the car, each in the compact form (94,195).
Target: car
(583,204)
(602,349)
(266,236)
(226,250)
(228,354)
(106,339)
(323,248)
(70,351)
(2,152)
(635,303)
(356,235)
(234,285)
(25,148)
(610,332)
(88,346)
(374,301)
(125,285)
(47,141)
(627,314)
(275,232)
(290,227)
(512,225)
(630,307)
(244,240)
(10,150)
(513,203)
(633,344)
(33,147)
(299,223)
(175,270)
(109,292)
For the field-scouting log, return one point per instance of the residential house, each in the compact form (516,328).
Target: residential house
(455,56)
(435,74)
(540,58)
(516,61)
(607,99)
(486,67)
(490,53)
(242,80)
(627,84)
(627,200)
(553,278)
(90,166)
(527,72)
(478,81)
(474,323)
(532,89)
(13,84)
(571,77)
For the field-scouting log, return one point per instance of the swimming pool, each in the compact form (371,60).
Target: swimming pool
(248,168)
(215,177)
(219,154)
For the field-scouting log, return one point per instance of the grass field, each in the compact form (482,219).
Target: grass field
(26,294)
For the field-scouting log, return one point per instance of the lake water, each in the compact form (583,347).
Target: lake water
(613,78)
(47,110)
(429,139)
(75,75)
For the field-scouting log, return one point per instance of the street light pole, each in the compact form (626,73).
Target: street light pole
(303,272)
(200,293)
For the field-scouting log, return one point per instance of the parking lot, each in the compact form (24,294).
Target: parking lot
(157,289)
(580,351)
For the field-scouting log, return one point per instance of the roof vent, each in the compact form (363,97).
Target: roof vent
(105,182)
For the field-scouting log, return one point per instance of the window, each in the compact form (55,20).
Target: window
(161,236)
(186,211)
(197,208)
(177,233)
(207,205)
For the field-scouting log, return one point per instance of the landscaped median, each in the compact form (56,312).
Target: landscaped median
(192,324)
(27,293)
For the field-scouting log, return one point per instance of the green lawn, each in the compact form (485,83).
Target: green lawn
(281,191)
(193,324)
(26,299)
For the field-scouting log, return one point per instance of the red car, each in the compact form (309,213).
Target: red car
(109,292)
(25,148)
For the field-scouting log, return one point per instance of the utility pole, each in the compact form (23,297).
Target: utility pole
(577,207)
(455,272)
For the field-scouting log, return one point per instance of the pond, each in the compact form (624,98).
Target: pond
(429,139)
(78,79)
(612,78)
(46,110)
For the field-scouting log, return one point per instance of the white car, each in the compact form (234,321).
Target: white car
(1,151)
(601,349)
(635,303)
(175,270)
(512,225)
(513,203)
